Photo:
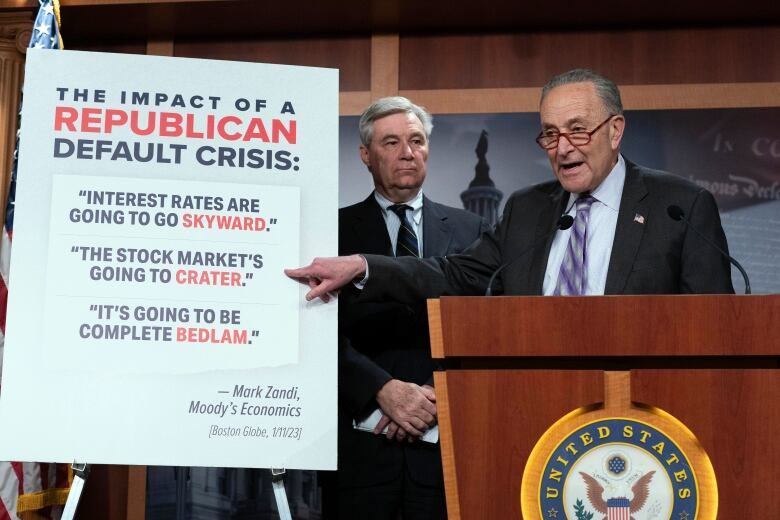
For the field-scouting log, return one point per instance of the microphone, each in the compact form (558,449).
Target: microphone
(564,223)
(677,213)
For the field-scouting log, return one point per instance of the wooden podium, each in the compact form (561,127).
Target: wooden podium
(516,365)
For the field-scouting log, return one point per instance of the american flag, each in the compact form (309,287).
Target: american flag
(618,509)
(29,487)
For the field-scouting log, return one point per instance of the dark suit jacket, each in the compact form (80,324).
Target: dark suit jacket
(388,340)
(657,256)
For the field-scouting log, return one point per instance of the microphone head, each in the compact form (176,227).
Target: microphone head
(565,222)
(675,212)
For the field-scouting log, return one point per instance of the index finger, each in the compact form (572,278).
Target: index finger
(299,272)
(380,426)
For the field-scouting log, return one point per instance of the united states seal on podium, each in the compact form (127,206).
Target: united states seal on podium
(619,461)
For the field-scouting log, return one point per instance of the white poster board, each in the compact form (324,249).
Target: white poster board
(150,321)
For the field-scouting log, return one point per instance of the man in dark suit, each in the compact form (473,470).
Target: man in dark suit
(622,240)
(386,364)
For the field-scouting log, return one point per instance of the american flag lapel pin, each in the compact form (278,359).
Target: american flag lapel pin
(639,218)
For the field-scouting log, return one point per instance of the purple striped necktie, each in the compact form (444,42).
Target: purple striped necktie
(572,278)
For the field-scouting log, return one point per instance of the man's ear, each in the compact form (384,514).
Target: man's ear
(364,156)
(616,128)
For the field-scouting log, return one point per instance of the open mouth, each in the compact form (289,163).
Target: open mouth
(571,166)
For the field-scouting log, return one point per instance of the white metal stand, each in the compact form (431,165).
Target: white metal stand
(277,479)
(80,474)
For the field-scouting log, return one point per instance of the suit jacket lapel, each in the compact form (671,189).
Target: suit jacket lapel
(437,232)
(628,233)
(370,229)
(548,218)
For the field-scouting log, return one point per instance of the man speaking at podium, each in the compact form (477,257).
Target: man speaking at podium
(624,239)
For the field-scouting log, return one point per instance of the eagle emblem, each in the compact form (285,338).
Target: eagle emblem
(618,507)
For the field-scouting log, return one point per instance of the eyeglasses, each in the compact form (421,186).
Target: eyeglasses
(580,138)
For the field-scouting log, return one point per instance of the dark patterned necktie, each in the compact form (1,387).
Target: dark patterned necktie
(406,245)
(572,278)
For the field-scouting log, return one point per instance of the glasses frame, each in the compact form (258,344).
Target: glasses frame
(568,135)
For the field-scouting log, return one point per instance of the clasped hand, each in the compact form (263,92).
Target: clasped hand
(409,410)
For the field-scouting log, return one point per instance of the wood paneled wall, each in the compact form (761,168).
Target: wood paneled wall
(502,72)
(629,57)
(351,55)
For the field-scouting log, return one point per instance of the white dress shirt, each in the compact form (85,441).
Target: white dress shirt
(393,223)
(601,233)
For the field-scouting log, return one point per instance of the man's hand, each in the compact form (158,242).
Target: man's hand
(394,432)
(409,406)
(326,275)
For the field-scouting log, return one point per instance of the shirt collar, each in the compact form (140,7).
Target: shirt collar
(610,191)
(416,204)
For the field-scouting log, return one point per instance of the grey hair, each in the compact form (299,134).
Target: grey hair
(606,89)
(387,106)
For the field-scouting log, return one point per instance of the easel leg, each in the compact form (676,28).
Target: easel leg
(277,479)
(80,474)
